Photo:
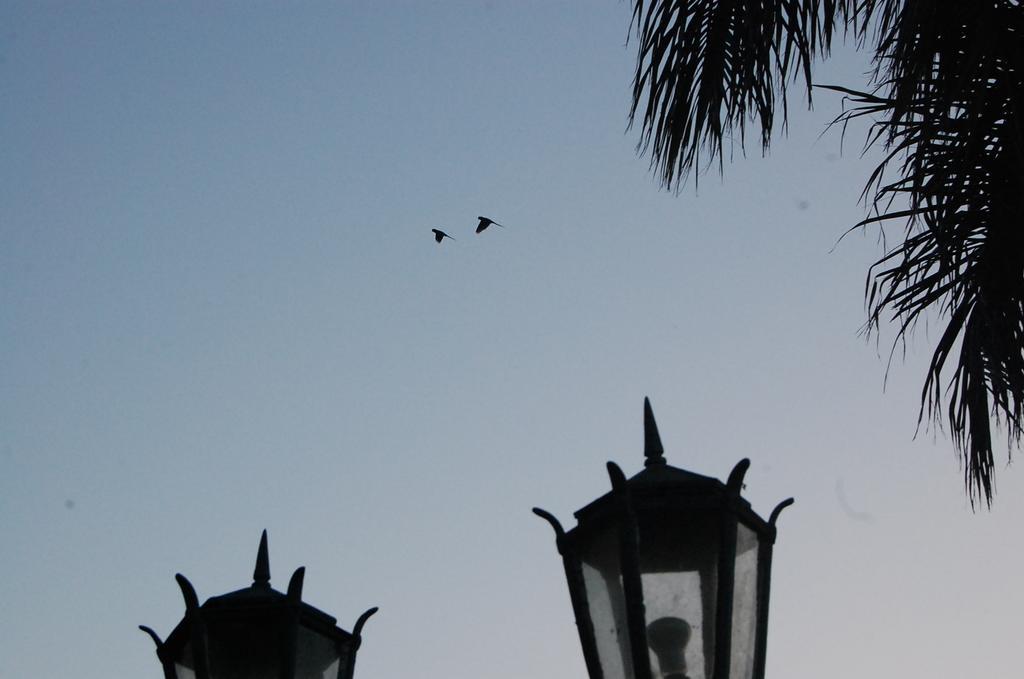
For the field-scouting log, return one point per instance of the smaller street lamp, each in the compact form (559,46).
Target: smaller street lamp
(257,633)
(669,573)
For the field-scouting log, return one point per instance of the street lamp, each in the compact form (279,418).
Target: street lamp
(668,573)
(257,633)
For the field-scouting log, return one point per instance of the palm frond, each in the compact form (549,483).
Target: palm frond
(707,67)
(947,106)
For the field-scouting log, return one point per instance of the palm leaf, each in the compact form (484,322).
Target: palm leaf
(947,106)
(707,67)
(949,96)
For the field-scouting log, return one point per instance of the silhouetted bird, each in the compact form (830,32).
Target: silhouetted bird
(484,223)
(440,235)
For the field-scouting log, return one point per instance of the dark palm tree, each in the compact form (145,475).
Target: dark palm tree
(945,101)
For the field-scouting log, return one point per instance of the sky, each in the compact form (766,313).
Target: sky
(222,310)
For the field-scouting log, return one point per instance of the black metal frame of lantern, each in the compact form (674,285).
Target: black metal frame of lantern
(257,633)
(669,573)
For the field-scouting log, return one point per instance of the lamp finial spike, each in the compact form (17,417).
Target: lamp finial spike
(261,574)
(653,450)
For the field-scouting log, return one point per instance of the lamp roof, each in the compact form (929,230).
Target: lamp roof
(261,596)
(659,480)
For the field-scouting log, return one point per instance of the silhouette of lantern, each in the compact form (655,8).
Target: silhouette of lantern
(669,573)
(257,633)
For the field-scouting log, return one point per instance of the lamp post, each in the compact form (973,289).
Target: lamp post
(669,573)
(257,633)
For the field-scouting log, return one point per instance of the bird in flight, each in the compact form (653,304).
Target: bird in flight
(440,235)
(484,223)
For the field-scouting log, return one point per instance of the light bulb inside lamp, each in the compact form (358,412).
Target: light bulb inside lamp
(668,637)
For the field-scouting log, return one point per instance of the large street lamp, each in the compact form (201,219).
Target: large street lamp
(668,573)
(257,633)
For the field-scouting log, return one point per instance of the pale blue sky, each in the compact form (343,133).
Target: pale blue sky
(221,310)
